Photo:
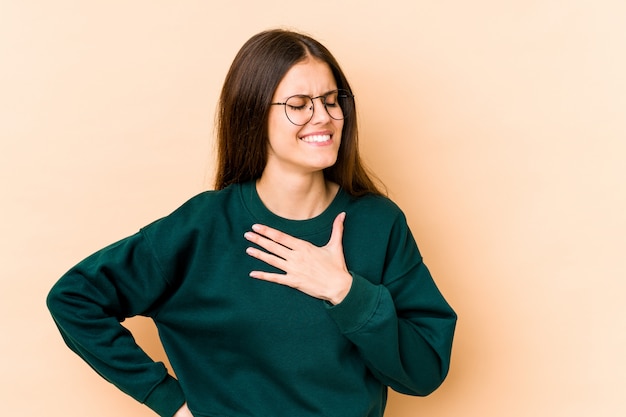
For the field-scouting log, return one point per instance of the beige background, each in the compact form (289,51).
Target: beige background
(498,126)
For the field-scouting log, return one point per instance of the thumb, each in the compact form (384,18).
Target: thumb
(337,234)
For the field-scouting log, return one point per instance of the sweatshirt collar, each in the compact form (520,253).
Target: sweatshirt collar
(261,214)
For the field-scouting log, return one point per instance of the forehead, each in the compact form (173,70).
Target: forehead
(311,77)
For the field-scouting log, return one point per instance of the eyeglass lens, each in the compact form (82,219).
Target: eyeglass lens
(299,108)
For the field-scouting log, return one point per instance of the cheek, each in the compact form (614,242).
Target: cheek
(339,129)
(273,123)
(281,135)
(278,125)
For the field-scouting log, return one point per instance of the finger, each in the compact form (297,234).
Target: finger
(276,235)
(268,258)
(337,234)
(267,244)
(270,277)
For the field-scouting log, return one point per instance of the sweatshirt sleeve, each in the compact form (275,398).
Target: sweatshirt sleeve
(91,300)
(403,328)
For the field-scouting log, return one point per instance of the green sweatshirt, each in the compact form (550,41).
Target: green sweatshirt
(245,347)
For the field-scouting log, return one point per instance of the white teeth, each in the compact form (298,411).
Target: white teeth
(316,138)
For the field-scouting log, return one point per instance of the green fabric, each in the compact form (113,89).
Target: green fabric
(245,347)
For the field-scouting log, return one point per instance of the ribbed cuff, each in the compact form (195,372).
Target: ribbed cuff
(358,307)
(166,398)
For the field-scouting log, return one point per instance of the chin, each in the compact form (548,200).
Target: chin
(325,164)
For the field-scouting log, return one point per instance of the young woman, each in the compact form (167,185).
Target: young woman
(293,289)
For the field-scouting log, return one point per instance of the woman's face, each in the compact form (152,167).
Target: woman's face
(315,145)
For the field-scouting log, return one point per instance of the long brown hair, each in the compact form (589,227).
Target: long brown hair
(242,117)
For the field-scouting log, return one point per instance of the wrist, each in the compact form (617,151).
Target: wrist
(343,291)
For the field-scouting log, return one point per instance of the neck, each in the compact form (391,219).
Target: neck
(296,197)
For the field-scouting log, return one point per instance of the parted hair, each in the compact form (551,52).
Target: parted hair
(244,104)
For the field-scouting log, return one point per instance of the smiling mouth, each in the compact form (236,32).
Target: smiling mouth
(316,138)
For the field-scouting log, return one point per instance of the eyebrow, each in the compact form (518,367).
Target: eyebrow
(307,95)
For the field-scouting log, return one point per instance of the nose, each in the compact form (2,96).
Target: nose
(320,114)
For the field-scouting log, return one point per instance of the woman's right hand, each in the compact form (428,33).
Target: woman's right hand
(183,412)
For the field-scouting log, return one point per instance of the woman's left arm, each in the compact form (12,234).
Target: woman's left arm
(403,327)
(403,330)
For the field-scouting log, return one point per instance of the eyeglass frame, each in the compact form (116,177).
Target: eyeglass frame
(323,100)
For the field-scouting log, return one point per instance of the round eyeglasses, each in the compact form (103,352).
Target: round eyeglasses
(299,108)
